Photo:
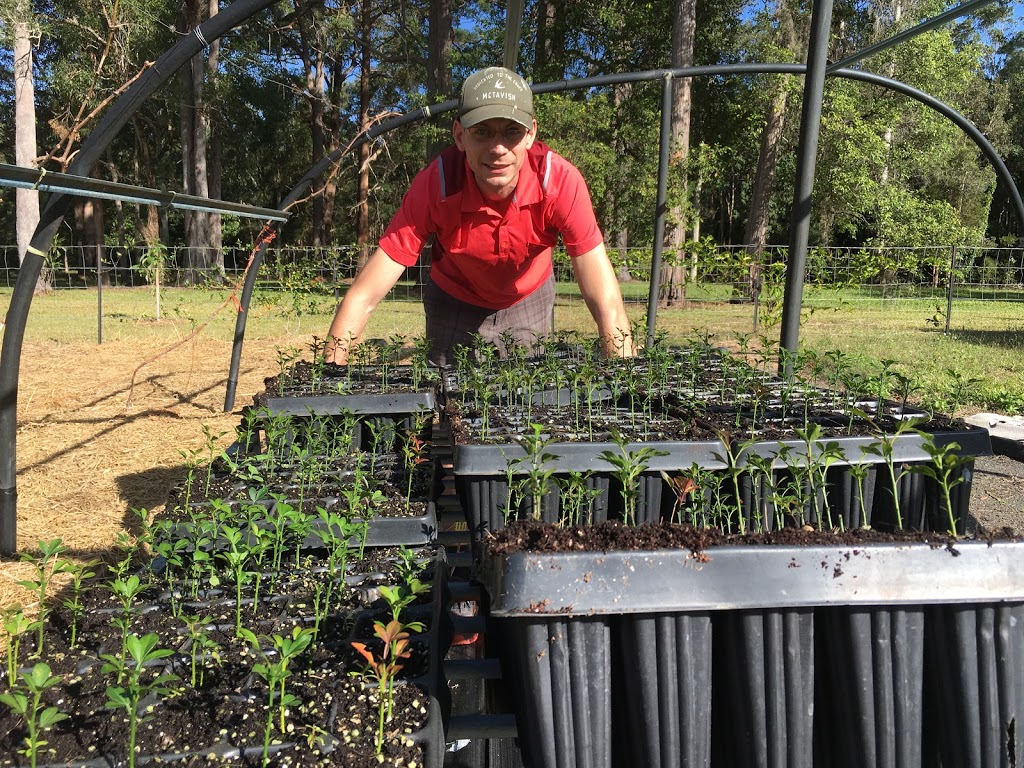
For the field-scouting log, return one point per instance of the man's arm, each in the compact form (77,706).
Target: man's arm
(378,276)
(600,288)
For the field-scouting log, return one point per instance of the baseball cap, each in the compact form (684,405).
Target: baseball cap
(495,92)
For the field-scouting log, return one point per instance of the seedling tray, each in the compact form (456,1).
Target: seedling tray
(589,583)
(390,404)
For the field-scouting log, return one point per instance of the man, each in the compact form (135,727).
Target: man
(495,205)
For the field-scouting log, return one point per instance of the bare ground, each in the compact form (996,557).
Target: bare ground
(92,446)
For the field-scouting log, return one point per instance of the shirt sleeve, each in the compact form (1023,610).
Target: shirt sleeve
(412,224)
(573,211)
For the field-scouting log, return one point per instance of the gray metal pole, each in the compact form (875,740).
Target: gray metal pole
(949,293)
(99,294)
(661,206)
(800,226)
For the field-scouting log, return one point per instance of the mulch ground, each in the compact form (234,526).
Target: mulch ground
(93,446)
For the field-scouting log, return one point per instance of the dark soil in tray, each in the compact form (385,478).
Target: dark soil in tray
(534,536)
(560,425)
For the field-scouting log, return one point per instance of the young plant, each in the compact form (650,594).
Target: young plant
(385,668)
(534,472)
(236,557)
(126,591)
(28,705)
(945,470)
(577,496)
(79,573)
(16,624)
(416,452)
(885,448)
(48,564)
(133,684)
(627,467)
(201,645)
(274,670)
(401,597)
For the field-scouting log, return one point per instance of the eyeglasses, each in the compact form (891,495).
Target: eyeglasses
(511,135)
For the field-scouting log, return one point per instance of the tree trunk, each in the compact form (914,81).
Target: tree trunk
(215,221)
(26,201)
(547,61)
(616,219)
(194,123)
(684,24)
(363,179)
(439,52)
(756,235)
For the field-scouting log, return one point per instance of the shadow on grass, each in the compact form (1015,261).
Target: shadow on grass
(1005,339)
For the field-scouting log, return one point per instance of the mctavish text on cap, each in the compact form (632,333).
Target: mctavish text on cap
(495,92)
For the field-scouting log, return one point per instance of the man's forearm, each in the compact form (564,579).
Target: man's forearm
(600,289)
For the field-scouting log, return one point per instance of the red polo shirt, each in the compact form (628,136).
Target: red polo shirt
(492,256)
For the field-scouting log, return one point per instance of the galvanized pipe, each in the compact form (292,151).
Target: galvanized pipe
(807,150)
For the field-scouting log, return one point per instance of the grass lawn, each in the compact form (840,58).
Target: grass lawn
(986,340)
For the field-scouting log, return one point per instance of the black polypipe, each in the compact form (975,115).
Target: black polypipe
(807,151)
(312,174)
(92,148)
(598,81)
(661,206)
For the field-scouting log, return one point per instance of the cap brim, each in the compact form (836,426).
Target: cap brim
(491,111)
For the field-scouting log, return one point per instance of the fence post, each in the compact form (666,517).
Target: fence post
(949,294)
(99,294)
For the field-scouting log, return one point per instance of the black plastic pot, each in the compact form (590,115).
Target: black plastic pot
(784,632)
(872,662)
(482,482)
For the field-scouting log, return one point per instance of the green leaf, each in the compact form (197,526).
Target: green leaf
(49,716)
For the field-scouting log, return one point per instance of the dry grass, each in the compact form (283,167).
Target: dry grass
(92,448)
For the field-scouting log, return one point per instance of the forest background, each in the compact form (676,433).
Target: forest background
(248,117)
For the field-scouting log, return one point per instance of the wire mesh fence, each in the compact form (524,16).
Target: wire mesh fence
(702,272)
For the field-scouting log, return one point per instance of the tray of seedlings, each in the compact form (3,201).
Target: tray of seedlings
(293,489)
(229,653)
(793,580)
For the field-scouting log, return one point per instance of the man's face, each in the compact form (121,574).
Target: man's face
(496,150)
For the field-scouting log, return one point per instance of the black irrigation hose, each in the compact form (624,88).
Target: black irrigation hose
(92,149)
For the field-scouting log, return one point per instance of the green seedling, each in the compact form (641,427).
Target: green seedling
(401,597)
(16,624)
(274,670)
(415,451)
(30,708)
(627,467)
(201,645)
(73,605)
(576,497)
(534,473)
(236,557)
(133,684)
(945,470)
(125,590)
(48,564)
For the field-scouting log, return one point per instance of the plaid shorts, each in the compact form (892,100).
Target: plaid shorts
(452,323)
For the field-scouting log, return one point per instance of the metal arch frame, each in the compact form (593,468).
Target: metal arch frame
(53,214)
(241,10)
(600,80)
